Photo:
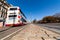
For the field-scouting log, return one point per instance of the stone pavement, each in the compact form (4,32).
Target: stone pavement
(34,32)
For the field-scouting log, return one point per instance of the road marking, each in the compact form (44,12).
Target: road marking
(11,34)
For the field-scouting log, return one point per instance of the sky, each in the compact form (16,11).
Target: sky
(37,9)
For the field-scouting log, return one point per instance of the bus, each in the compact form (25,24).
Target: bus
(14,17)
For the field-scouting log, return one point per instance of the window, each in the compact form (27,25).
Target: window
(12,15)
(1,20)
(13,8)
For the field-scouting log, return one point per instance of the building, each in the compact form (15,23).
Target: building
(3,8)
(23,16)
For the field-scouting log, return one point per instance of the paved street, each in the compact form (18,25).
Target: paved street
(9,31)
(52,26)
(35,32)
(4,28)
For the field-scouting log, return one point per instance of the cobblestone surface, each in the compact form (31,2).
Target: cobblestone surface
(34,32)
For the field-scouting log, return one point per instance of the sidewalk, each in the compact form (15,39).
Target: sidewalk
(34,32)
(4,28)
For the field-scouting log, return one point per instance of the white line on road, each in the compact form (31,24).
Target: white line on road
(11,34)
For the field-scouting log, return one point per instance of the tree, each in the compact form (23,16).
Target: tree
(34,21)
(51,19)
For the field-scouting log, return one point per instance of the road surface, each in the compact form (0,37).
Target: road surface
(29,32)
(52,26)
(35,32)
(10,31)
